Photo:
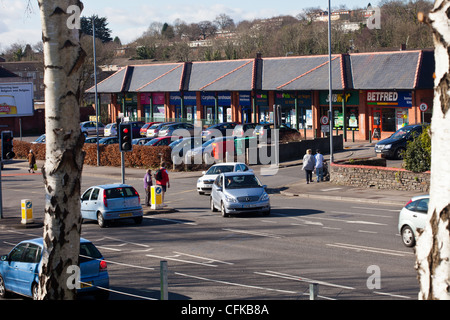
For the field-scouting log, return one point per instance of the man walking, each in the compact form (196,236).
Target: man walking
(148,186)
(162,179)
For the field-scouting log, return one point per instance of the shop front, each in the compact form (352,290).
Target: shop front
(185,105)
(153,105)
(296,109)
(262,107)
(389,111)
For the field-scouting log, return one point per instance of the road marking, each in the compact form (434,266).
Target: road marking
(370,249)
(254,233)
(234,284)
(173,220)
(208,259)
(392,295)
(301,279)
(366,231)
(362,214)
(379,209)
(367,222)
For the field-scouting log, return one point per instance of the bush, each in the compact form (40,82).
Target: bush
(417,157)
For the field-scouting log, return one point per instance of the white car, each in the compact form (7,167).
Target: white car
(205,182)
(90,128)
(412,218)
(111,130)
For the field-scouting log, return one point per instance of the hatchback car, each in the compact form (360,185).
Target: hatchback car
(221,129)
(107,203)
(19,270)
(205,151)
(110,129)
(144,128)
(244,130)
(412,218)
(153,130)
(109,140)
(395,145)
(205,182)
(159,141)
(239,192)
(181,146)
(264,132)
(90,127)
(178,129)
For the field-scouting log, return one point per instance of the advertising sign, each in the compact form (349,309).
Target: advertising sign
(402,99)
(16,99)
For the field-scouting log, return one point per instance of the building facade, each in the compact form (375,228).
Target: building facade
(374,94)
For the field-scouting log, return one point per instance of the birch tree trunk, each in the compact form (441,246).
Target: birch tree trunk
(63,58)
(433,245)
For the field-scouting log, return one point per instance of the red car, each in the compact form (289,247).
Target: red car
(159,141)
(144,128)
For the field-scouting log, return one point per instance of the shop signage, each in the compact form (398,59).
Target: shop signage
(158,98)
(245,98)
(262,99)
(224,98)
(16,99)
(402,99)
(350,98)
(208,99)
(190,98)
(287,99)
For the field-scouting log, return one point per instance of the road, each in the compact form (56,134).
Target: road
(352,250)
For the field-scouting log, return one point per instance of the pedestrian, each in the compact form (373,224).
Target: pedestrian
(308,165)
(319,165)
(148,186)
(31,161)
(162,179)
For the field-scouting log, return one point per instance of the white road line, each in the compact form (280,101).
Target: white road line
(362,214)
(366,231)
(254,233)
(370,249)
(379,209)
(234,284)
(172,220)
(391,295)
(203,258)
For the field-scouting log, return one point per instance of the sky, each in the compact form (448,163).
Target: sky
(130,18)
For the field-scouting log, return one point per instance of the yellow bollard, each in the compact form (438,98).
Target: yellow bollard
(27,211)
(156,196)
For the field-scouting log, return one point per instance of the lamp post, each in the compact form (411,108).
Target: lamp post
(96,93)
(330,98)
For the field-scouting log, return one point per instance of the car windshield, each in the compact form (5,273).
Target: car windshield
(220,169)
(401,133)
(120,192)
(241,182)
(152,142)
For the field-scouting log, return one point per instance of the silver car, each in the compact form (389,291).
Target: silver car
(412,218)
(239,192)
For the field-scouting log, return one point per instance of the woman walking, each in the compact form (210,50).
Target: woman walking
(308,165)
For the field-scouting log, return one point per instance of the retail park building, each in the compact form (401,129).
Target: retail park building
(374,94)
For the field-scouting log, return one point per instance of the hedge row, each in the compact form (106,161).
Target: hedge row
(141,156)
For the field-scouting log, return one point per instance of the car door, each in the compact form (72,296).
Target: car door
(420,213)
(85,204)
(27,268)
(216,192)
(11,273)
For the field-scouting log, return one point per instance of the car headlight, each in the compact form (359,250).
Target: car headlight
(387,146)
(264,197)
(230,199)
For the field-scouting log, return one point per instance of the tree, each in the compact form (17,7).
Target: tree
(433,245)
(102,31)
(63,58)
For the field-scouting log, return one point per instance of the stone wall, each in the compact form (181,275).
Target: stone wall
(379,177)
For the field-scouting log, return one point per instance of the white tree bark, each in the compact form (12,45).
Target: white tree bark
(63,58)
(433,245)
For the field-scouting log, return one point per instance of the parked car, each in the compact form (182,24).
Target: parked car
(106,203)
(181,146)
(395,145)
(205,152)
(153,130)
(41,139)
(264,132)
(239,192)
(205,182)
(140,141)
(136,128)
(159,141)
(225,129)
(412,219)
(91,140)
(110,129)
(245,129)
(109,140)
(180,128)
(19,270)
(143,131)
(90,127)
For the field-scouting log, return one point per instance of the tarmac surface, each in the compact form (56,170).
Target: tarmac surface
(321,190)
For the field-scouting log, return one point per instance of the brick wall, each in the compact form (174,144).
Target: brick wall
(379,177)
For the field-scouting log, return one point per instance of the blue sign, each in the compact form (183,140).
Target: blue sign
(245,98)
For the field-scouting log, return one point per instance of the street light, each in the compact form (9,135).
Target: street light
(330,98)
(96,93)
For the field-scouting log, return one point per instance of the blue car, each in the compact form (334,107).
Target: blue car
(19,270)
(110,202)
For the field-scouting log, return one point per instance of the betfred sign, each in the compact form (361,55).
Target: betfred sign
(401,99)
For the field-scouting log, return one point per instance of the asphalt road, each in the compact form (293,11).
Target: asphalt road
(351,250)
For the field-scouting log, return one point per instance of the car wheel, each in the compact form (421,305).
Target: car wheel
(211,202)
(399,153)
(266,213)
(224,211)
(35,291)
(101,220)
(3,293)
(408,237)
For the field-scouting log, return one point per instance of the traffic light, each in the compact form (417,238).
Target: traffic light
(125,137)
(7,145)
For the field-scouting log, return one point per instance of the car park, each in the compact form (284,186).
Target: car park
(242,130)
(181,146)
(90,128)
(144,128)
(205,182)
(19,270)
(180,128)
(152,131)
(239,192)
(205,152)
(159,141)
(107,203)
(412,219)
(109,140)
(396,144)
(221,129)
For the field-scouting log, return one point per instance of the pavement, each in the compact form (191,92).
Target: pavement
(322,190)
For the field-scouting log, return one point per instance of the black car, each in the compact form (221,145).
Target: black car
(264,131)
(395,145)
(225,128)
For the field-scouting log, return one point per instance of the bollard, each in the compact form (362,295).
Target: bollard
(27,211)
(313,291)
(164,284)
(156,197)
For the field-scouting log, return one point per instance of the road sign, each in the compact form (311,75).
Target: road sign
(324,120)
(423,107)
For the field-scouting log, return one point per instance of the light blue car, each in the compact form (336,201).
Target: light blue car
(239,192)
(110,202)
(19,270)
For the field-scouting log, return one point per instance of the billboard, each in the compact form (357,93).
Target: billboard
(16,99)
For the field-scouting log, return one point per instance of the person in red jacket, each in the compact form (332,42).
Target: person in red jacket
(162,179)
